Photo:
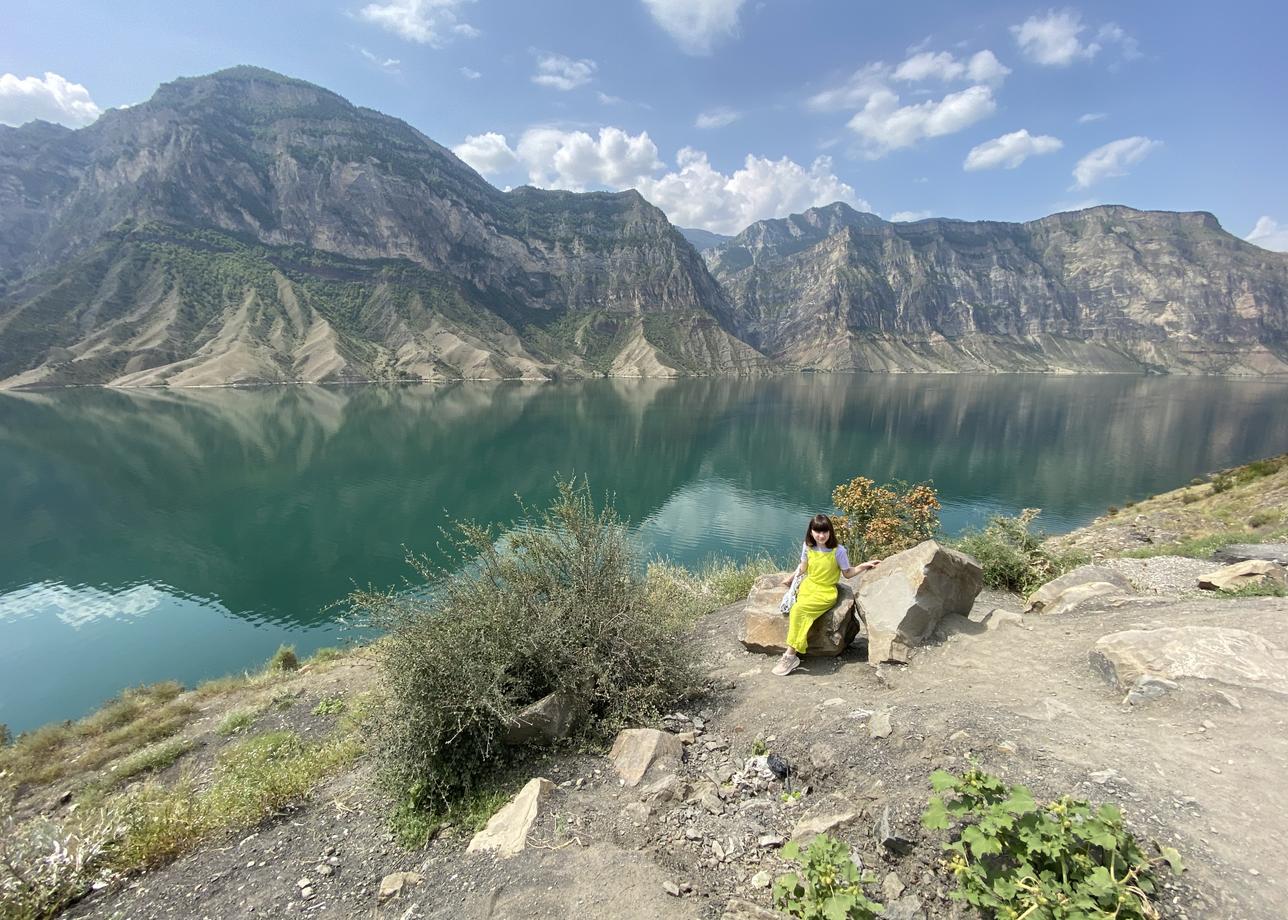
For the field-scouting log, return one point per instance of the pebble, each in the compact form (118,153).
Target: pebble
(324,870)
(761,879)
(306,893)
(671,888)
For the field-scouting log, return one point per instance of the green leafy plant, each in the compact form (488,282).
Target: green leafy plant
(1016,859)
(1012,555)
(877,521)
(329,706)
(828,885)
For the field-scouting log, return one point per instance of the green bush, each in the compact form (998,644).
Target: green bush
(1222,482)
(877,521)
(284,659)
(1188,497)
(555,603)
(828,886)
(1013,857)
(1012,555)
(1262,518)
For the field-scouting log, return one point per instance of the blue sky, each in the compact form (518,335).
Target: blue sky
(727,111)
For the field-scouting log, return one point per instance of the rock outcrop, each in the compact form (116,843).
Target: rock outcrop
(645,752)
(764,627)
(1233,657)
(903,600)
(1070,590)
(1260,573)
(506,832)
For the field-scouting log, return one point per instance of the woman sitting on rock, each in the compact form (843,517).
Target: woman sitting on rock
(823,561)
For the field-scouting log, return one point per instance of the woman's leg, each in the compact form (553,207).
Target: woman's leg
(798,624)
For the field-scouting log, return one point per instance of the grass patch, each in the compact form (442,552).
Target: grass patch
(1266,589)
(236,721)
(1195,548)
(329,706)
(150,760)
(690,594)
(284,659)
(327,654)
(252,780)
(414,827)
(221,686)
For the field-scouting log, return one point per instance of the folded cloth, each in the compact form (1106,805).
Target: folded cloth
(790,597)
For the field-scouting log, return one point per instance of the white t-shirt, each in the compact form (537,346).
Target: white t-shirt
(842,557)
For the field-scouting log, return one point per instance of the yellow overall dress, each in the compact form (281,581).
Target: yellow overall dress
(814,597)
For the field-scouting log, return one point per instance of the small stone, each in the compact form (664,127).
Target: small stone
(892,886)
(880,726)
(1100,777)
(762,879)
(770,841)
(692,833)
(392,885)
(890,839)
(307,893)
(333,861)
(324,870)
(1008,748)
(671,888)
(304,883)
(1215,769)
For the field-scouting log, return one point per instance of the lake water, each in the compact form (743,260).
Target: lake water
(161,534)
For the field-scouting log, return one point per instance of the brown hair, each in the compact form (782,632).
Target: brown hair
(820,522)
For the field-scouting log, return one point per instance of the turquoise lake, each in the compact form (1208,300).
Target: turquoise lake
(159,534)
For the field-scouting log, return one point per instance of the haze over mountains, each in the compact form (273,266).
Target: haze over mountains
(248,227)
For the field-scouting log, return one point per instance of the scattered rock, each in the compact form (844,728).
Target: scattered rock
(671,888)
(1148,687)
(507,830)
(768,841)
(880,726)
(392,885)
(644,751)
(737,909)
(889,837)
(762,879)
(1258,572)
(906,908)
(892,886)
(764,628)
(1090,580)
(903,600)
(822,758)
(666,788)
(1233,657)
(999,618)
(548,719)
(825,817)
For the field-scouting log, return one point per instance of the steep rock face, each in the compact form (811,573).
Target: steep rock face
(247,226)
(1105,289)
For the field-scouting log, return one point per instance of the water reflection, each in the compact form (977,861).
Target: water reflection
(248,511)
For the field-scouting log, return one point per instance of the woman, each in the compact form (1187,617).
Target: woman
(823,562)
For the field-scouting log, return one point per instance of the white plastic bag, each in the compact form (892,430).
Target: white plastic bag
(790,597)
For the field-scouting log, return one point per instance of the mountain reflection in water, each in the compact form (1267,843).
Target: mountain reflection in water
(185,533)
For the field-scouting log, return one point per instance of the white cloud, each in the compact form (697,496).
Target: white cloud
(470,74)
(428,22)
(1269,234)
(605,99)
(981,67)
(884,125)
(389,65)
(53,98)
(694,194)
(562,72)
(698,195)
(1010,150)
(696,24)
(1053,39)
(1112,32)
(717,118)
(909,216)
(1089,117)
(854,92)
(1112,160)
(488,153)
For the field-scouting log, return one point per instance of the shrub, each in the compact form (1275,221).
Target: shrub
(284,659)
(328,653)
(5,737)
(1262,518)
(828,886)
(1188,497)
(235,721)
(1012,555)
(1013,857)
(1222,482)
(877,521)
(329,706)
(553,604)
(44,865)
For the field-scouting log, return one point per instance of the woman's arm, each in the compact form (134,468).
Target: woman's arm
(861,567)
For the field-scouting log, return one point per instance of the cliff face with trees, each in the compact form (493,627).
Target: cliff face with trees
(248,227)
(1104,289)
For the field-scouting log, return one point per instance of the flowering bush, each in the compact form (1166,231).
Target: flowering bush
(877,521)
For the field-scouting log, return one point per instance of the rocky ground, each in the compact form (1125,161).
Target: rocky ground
(1195,769)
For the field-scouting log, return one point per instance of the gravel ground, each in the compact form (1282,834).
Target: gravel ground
(1176,576)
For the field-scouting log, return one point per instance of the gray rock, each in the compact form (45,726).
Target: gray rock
(1090,580)
(638,752)
(880,726)
(506,832)
(906,908)
(393,884)
(822,758)
(666,788)
(737,909)
(548,719)
(1230,657)
(828,815)
(1148,687)
(892,886)
(671,888)
(1241,552)
(889,837)
(762,879)
(764,628)
(903,600)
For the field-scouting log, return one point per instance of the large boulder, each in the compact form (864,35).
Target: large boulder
(1060,595)
(764,628)
(640,752)
(903,599)
(1212,653)
(548,719)
(1252,572)
(507,831)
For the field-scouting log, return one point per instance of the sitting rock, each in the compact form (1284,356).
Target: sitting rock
(764,627)
(638,752)
(1242,552)
(1260,573)
(548,719)
(1234,657)
(507,830)
(903,599)
(1060,595)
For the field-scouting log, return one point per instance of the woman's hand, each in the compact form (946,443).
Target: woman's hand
(870,564)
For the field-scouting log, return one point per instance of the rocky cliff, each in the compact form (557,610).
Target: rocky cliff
(1104,289)
(249,227)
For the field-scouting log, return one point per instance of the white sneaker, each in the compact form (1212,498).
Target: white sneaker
(788,663)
